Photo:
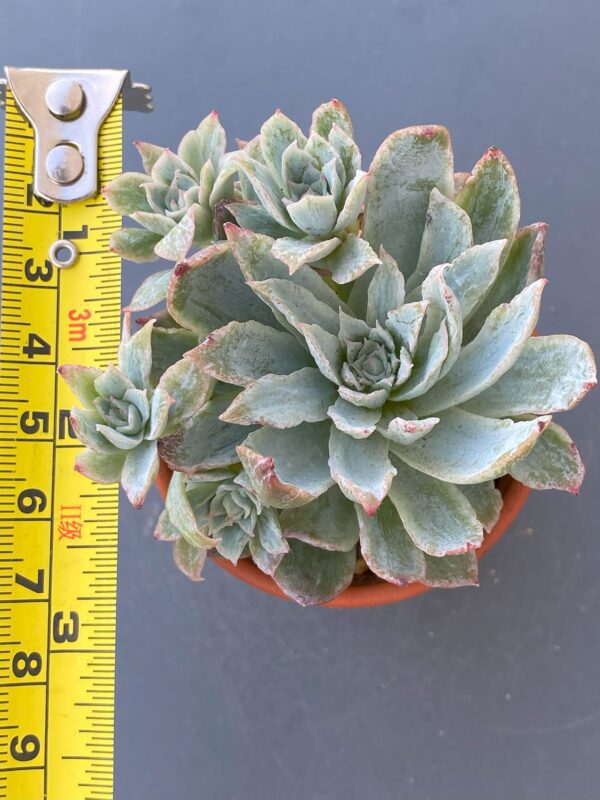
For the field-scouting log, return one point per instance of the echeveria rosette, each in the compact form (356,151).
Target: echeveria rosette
(127,408)
(389,407)
(174,199)
(307,192)
(220,510)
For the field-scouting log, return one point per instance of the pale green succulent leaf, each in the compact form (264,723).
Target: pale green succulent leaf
(252,215)
(351,329)
(156,223)
(159,413)
(405,323)
(427,371)
(328,522)
(112,383)
(354,420)
(269,532)
(467,448)
(265,189)
(401,429)
(449,572)
(326,350)
(436,292)
(312,575)
(373,399)
(135,353)
(361,468)
(168,347)
(135,244)
(288,468)
(181,513)
(208,291)
(253,253)
(139,472)
(552,373)
(387,548)
(267,562)
(176,244)
(189,558)
(81,381)
(166,166)
(329,114)
(283,401)
(491,198)
(314,214)
(151,292)
(358,297)
(241,352)
(553,463)
(347,149)
(471,274)
(100,467)
(125,193)
(276,135)
(150,154)
(120,440)
(446,235)
(437,516)
(486,501)
(204,442)
(407,166)
(206,143)
(523,265)
(165,531)
(490,355)
(386,290)
(350,260)
(296,304)
(295,253)
(232,543)
(224,184)
(353,203)
(84,424)
(189,388)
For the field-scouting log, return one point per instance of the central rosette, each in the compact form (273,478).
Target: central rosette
(232,505)
(372,362)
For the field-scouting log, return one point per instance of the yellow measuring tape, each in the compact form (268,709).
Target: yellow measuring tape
(58,531)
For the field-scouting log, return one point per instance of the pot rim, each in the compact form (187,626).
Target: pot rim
(514,495)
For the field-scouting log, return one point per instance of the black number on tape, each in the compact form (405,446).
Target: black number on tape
(34,272)
(26,664)
(26,749)
(32,421)
(65,631)
(36,346)
(27,583)
(31,500)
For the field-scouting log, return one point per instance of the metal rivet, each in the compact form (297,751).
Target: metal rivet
(63,253)
(64,98)
(64,163)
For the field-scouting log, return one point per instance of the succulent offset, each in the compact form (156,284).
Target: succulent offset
(127,408)
(174,199)
(360,360)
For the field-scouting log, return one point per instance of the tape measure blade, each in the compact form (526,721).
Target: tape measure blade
(58,531)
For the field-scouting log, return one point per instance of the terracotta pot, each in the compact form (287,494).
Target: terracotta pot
(378,593)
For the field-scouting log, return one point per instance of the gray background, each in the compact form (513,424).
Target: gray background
(225,693)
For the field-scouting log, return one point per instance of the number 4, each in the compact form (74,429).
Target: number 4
(36,346)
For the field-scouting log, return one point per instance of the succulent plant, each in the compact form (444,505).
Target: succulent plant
(126,408)
(364,366)
(174,199)
(219,509)
(307,192)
